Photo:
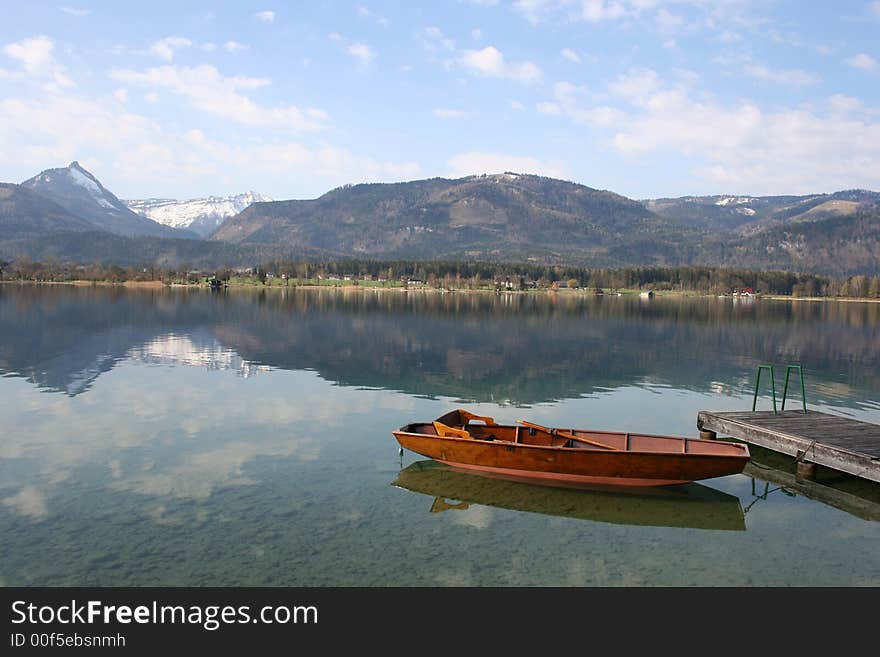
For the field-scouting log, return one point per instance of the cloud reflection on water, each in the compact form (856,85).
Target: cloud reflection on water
(171,432)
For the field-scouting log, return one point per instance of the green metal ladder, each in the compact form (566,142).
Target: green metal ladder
(791,367)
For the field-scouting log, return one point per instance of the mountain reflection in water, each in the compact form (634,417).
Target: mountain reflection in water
(503,348)
(691,505)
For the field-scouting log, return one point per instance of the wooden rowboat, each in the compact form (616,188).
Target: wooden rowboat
(570,457)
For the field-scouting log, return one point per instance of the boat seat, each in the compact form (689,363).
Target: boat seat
(445,431)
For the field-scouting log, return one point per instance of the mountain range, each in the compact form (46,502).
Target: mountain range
(200,215)
(505,216)
(509,217)
(750,214)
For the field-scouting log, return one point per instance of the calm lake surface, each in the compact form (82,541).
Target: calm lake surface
(182,437)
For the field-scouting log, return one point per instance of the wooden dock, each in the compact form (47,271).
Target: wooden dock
(832,441)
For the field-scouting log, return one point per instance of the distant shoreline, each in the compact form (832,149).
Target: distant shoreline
(78,283)
(425,289)
(782,297)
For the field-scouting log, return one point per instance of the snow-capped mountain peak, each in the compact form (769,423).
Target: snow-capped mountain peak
(84,179)
(734,200)
(80,193)
(200,215)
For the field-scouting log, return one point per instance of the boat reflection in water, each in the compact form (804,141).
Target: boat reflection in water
(687,505)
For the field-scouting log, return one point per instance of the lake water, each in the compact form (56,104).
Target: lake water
(183,437)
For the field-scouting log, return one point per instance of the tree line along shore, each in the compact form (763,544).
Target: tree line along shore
(451,276)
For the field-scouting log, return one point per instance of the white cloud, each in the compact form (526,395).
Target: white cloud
(863,61)
(332,163)
(362,52)
(209,46)
(794,77)
(121,95)
(741,146)
(571,55)
(709,127)
(686,77)
(212,92)
(600,10)
(38,133)
(234,47)
(265,16)
(516,105)
(575,103)
(60,80)
(477,34)
(842,103)
(433,39)
(364,12)
(76,11)
(533,10)
(164,48)
(477,162)
(668,22)
(36,58)
(444,113)
(636,84)
(745,64)
(653,12)
(490,62)
(549,108)
(316,113)
(58,128)
(34,54)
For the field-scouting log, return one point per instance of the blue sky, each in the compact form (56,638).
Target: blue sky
(646,98)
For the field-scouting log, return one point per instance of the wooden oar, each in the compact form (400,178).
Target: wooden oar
(565,434)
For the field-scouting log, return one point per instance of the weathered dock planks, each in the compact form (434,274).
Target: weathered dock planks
(837,442)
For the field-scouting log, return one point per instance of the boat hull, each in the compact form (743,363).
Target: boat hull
(572,467)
